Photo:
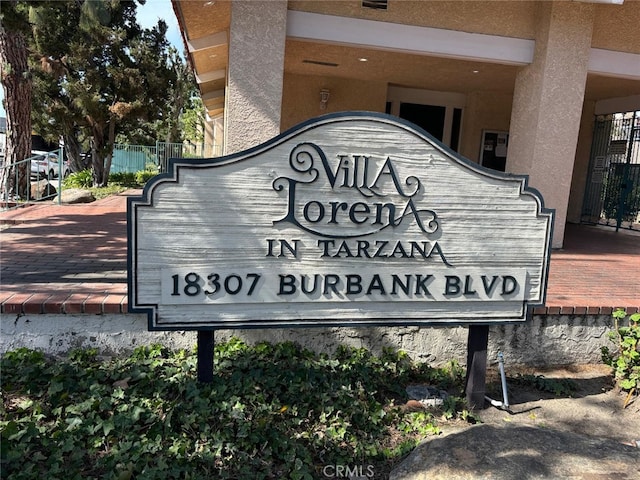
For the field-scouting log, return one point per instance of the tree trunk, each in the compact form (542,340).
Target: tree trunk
(101,151)
(16,80)
(174,112)
(72,151)
(109,158)
(97,152)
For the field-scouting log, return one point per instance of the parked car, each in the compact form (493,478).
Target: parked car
(46,165)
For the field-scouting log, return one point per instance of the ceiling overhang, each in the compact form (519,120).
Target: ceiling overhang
(345,47)
(410,39)
(205,32)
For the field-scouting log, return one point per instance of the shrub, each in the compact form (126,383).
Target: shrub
(82,179)
(126,179)
(144,175)
(625,359)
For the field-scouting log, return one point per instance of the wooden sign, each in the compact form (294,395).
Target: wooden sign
(349,219)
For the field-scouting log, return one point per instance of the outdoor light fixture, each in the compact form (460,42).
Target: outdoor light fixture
(324,98)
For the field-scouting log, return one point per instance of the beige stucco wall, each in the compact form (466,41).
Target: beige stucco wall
(301,97)
(492,111)
(547,105)
(484,111)
(617,27)
(254,77)
(506,18)
(301,101)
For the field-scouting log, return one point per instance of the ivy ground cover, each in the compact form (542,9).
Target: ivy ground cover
(272,411)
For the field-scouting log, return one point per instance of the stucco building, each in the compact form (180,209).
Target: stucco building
(515,85)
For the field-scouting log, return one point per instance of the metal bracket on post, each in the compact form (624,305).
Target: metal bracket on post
(475,384)
(206,344)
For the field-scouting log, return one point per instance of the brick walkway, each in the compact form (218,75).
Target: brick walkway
(73,259)
(65,258)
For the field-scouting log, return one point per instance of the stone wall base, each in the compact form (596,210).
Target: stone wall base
(545,341)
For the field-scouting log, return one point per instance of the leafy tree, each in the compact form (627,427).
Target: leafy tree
(100,74)
(167,122)
(184,90)
(54,113)
(95,75)
(192,121)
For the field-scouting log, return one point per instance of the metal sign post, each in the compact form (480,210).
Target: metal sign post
(475,383)
(206,345)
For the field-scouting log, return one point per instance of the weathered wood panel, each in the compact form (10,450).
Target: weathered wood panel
(351,218)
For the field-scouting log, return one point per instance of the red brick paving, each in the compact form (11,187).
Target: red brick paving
(65,258)
(598,270)
(73,259)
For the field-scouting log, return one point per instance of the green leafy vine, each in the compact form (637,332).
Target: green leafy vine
(625,359)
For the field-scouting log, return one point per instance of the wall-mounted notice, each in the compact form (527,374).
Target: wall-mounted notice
(349,219)
(493,153)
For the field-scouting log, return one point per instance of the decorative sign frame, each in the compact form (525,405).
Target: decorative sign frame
(355,219)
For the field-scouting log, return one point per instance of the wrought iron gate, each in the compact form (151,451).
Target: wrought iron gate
(612,194)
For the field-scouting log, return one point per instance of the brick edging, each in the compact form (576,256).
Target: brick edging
(555,310)
(75,303)
(53,303)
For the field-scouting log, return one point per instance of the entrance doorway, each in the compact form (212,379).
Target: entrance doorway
(429,117)
(439,113)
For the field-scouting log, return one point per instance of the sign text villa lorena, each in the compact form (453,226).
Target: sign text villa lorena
(349,219)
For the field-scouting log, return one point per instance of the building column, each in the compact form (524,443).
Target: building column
(547,104)
(582,162)
(256,69)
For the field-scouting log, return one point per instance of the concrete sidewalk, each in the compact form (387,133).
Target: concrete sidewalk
(73,259)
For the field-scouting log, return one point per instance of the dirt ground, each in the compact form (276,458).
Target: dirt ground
(595,408)
(581,432)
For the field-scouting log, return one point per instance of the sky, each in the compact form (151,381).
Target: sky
(148,16)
